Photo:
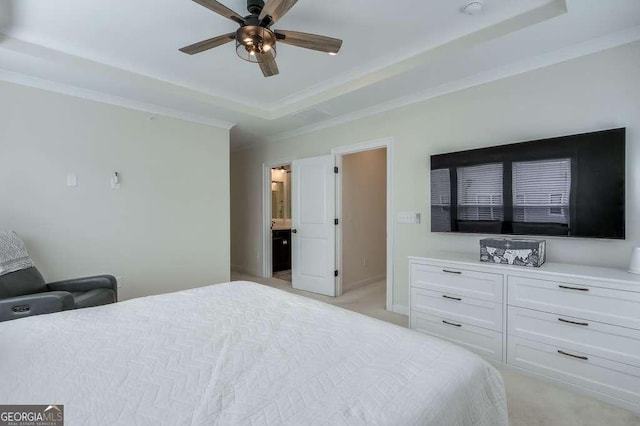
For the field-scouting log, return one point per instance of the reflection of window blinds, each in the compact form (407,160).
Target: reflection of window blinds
(541,191)
(480,192)
(440,201)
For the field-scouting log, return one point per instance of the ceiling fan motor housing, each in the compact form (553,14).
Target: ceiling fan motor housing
(255,6)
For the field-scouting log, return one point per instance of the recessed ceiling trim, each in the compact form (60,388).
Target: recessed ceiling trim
(65,89)
(592,46)
(360,79)
(589,47)
(315,95)
(20,47)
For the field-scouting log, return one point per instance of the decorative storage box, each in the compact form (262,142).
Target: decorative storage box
(513,252)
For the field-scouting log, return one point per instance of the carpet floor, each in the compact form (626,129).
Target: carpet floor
(283,275)
(531,402)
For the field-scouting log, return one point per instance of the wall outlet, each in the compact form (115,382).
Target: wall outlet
(409,217)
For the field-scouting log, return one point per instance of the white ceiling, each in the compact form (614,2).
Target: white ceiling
(394,52)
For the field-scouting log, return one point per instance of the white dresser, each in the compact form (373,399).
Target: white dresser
(577,325)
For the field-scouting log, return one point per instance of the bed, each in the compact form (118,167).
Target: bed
(242,354)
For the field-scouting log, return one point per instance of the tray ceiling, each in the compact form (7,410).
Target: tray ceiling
(126,52)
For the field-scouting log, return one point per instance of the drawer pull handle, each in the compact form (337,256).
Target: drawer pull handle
(452,272)
(451,323)
(573,288)
(452,298)
(572,355)
(573,322)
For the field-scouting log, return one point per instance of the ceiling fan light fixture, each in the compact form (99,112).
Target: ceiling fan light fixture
(256,44)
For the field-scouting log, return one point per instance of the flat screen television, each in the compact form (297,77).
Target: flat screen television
(570,186)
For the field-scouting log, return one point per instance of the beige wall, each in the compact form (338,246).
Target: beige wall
(166,229)
(364,217)
(599,91)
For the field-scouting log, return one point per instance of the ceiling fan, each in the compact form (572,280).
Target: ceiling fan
(256,40)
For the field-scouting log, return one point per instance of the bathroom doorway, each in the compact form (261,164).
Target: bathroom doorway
(281,222)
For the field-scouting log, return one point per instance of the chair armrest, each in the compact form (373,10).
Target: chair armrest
(85,284)
(35,304)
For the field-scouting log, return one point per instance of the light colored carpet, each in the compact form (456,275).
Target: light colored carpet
(368,299)
(283,275)
(531,402)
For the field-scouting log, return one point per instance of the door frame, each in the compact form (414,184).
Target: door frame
(338,152)
(267,255)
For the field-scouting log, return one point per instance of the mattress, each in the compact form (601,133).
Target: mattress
(242,354)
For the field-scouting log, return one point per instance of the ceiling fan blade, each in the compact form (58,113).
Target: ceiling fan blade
(309,41)
(221,9)
(276,9)
(269,68)
(201,46)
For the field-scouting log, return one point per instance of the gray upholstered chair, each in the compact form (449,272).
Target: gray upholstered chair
(24,292)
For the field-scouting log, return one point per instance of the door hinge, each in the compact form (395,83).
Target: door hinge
(335,273)
(335,170)
(336,221)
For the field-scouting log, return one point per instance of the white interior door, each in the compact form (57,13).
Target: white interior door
(313,228)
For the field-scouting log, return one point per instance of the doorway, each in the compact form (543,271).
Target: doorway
(363,222)
(316,202)
(385,233)
(281,222)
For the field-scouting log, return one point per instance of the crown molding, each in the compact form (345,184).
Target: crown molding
(358,79)
(13,47)
(589,47)
(65,89)
(319,94)
(620,38)
(308,97)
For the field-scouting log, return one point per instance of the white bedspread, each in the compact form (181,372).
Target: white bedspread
(241,353)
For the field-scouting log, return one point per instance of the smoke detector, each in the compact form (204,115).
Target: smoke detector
(473,8)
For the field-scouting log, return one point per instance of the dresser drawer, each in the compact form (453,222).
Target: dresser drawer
(619,344)
(487,343)
(481,313)
(479,285)
(612,378)
(593,303)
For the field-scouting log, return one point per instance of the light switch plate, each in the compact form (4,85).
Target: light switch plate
(409,217)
